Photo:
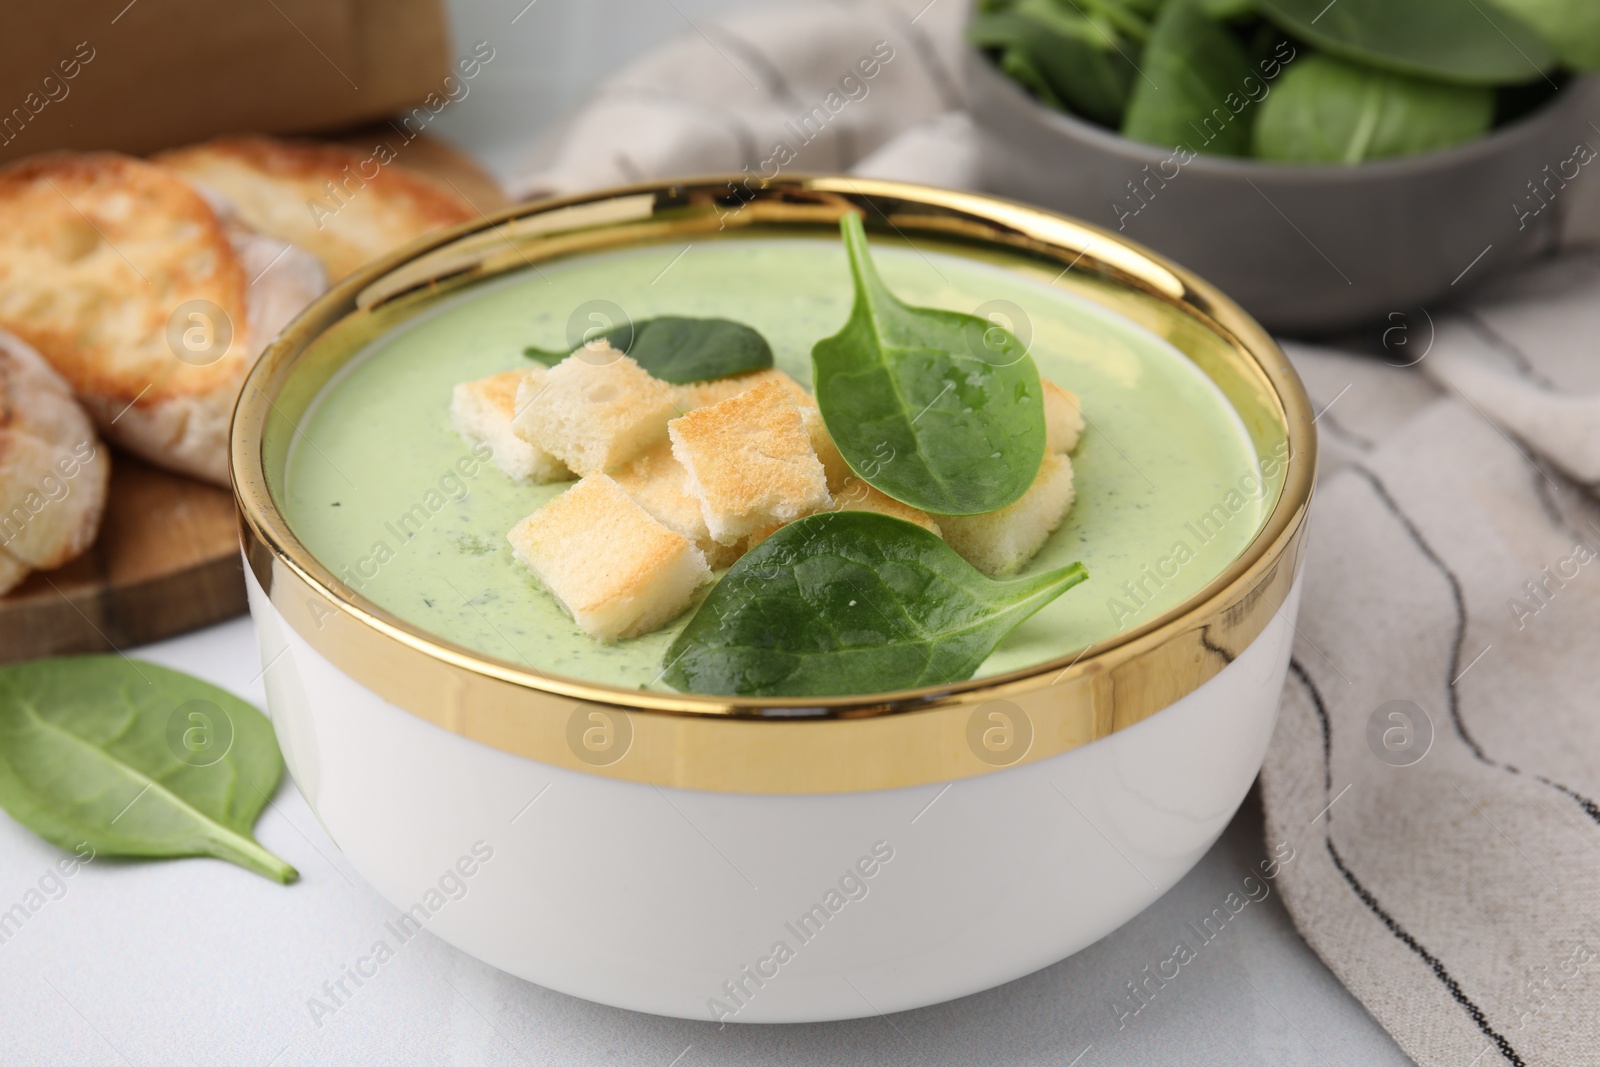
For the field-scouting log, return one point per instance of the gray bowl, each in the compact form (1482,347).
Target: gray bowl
(1306,249)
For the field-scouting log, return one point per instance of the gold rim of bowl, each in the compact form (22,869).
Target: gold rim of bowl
(780,746)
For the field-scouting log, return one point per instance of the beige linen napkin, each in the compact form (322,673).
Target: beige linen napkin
(1438,750)
(1437,760)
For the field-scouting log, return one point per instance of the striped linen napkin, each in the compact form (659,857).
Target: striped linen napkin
(1437,758)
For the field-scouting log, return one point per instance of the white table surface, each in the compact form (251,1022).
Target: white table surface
(199,962)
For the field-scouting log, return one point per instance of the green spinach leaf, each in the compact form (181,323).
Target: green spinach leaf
(1327,111)
(135,760)
(1193,92)
(851,602)
(1452,40)
(679,349)
(1086,63)
(1570,27)
(939,409)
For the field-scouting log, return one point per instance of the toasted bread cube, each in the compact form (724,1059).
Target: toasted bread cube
(704,394)
(1000,542)
(482,411)
(750,462)
(659,484)
(596,410)
(1063,420)
(615,569)
(857,495)
(833,464)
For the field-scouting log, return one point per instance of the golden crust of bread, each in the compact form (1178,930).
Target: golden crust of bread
(750,461)
(97,251)
(283,188)
(53,470)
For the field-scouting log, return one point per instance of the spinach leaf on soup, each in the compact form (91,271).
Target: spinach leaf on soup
(1324,110)
(851,602)
(135,760)
(678,349)
(939,409)
(1193,91)
(1471,43)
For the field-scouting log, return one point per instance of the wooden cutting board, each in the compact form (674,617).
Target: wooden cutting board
(166,559)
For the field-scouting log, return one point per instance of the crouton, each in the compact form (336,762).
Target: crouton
(615,569)
(833,464)
(1000,542)
(857,495)
(658,483)
(596,410)
(703,394)
(750,462)
(1063,420)
(481,412)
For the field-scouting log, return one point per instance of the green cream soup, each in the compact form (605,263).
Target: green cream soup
(1167,486)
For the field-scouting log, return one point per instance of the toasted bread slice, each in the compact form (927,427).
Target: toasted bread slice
(596,410)
(660,484)
(714,391)
(146,300)
(1063,420)
(1000,542)
(53,469)
(615,569)
(482,411)
(750,462)
(345,207)
(12,572)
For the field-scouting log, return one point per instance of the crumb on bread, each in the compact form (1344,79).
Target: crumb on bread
(596,410)
(616,570)
(481,412)
(750,462)
(1000,542)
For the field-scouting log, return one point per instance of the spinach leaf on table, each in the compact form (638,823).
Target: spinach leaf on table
(1193,90)
(1324,110)
(678,349)
(1083,61)
(135,760)
(939,409)
(1470,43)
(1570,27)
(851,602)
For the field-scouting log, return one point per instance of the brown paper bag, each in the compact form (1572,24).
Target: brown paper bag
(151,74)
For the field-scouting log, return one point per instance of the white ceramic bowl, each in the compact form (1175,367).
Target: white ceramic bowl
(776,860)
